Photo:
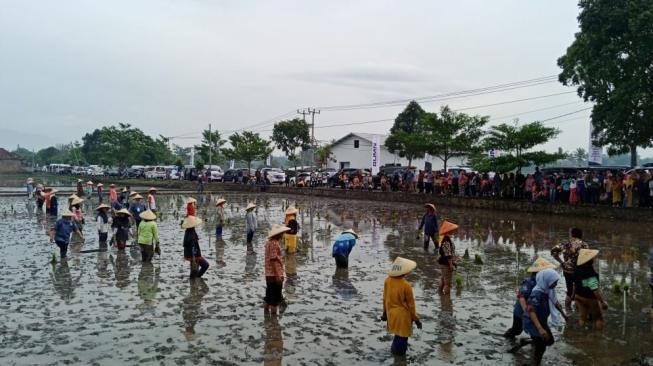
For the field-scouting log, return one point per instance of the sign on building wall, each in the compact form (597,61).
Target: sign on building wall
(376,155)
(595,155)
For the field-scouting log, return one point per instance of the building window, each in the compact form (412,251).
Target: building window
(356,144)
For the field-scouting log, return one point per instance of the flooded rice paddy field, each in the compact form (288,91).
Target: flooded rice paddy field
(106,308)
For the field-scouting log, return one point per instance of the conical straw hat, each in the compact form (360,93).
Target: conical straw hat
(148,215)
(401,266)
(152,189)
(292,210)
(137,197)
(133,193)
(250,206)
(276,230)
(73,196)
(220,201)
(430,205)
(100,185)
(448,227)
(67,213)
(585,255)
(102,206)
(190,222)
(191,200)
(539,265)
(124,211)
(76,201)
(89,183)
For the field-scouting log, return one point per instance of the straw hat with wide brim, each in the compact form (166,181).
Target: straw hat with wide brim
(123,190)
(292,210)
(132,193)
(191,200)
(191,222)
(30,180)
(73,196)
(352,232)
(276,230)
(448,228)
(124,211)
(220,201)
(401,266)
(76,201)
(100,185)
(112,185)
(148,215)
(89,183)
(102,206)
(539,265)
(250,206)
(430,205)
(67,213)
(585,255)
(152,189)
(137,197)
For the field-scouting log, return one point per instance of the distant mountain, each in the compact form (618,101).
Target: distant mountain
(10,139)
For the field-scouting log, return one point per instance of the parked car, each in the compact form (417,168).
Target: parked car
(230,175)
(301,179)
(157,172)
(350,172)
(95,171)
(275,175)
(388,171)
(112,172)
(133,173)
(79,170)
(216,174)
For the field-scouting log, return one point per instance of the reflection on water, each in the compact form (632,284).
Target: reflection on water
(273,351)
(191,306)
(332,316)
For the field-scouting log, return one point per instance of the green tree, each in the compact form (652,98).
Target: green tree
(290,136)
(404,138)
(211,144)
(451,134)
(181,153)
(579,156)
(323,155)
(610,62)
(124,145)
(247,146)
(515,144)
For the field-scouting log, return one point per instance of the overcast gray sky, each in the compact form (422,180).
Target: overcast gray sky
(173,67)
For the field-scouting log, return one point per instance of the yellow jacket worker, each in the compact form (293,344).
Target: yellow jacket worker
(290,237)
(399,305)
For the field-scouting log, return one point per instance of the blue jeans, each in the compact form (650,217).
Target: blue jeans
(250,236)
(399,345)
(63,248)
(218,231)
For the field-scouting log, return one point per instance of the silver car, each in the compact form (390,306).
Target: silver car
(275,175)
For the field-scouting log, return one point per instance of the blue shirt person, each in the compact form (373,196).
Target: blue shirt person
(62,230)
(430,224)
(342,248)
(136,208)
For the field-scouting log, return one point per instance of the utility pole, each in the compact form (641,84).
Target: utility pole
(303,112)
(312,112)
(210,150)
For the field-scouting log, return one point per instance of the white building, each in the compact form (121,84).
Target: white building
(355,151)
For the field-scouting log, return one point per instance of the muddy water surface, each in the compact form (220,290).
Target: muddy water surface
(106,308)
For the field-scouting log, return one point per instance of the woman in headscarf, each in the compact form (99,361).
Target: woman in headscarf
(523,294)
(586,291)
(541,304)
(399,305)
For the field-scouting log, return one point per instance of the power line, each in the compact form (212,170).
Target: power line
(450,95)
(513,101)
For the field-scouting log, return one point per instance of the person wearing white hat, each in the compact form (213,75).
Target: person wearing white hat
(523,294)
(62,230)
(219,209)
(136,208)
(88,190)
(274,272)
(192,252)
(121,224)
(251,225)
(342,248)
(148,236)
(99,191)
(103,222)
(399,308)
(290,238)
(587,292)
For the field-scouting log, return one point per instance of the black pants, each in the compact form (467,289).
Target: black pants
(428,238)
(250,236)
(569,281)
(540,346)
(273,291)
(341,261)
(200,262)
(147,252)
(63,248)
(516,328)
